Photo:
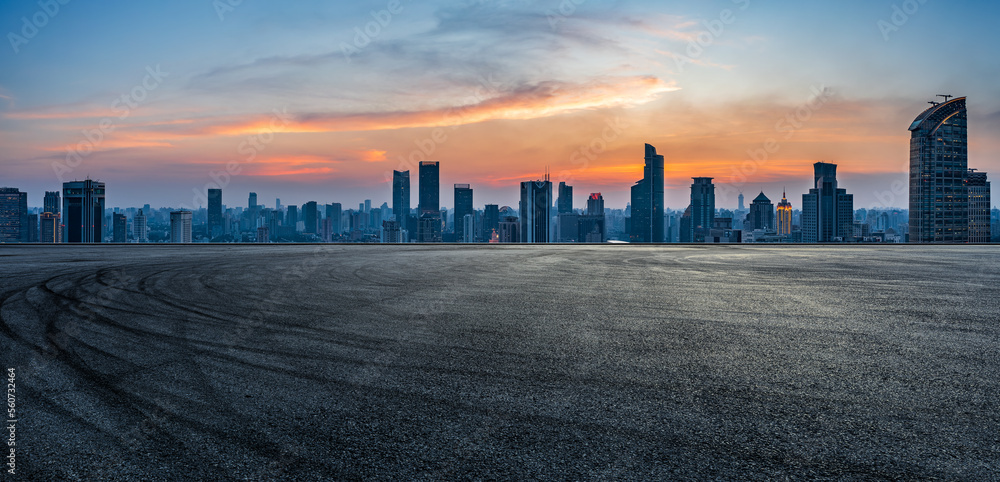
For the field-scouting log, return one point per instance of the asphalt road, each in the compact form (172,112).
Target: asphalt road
(559,362)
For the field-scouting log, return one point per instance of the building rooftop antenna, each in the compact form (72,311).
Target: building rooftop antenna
(946,97)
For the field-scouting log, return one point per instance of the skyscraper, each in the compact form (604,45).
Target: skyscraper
(83,211)
(592,226)
(939,164)
(463,208)
(51,202)
(51,231)
(702,209)
(647,201)
(762,214)
(429,230)
(784,216)
(214,213)
(292,218)
(827,212)
(180,227)
(391,232)
(491,221)
(13,215)
(310,213)
(535,211)
(565,200)
(742,206)
(979,207)
(119,231)
(595,204)
(252,202)
(430,188)
(139,228)
(334,212)
(401,197)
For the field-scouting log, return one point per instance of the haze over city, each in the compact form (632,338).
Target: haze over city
(495,91)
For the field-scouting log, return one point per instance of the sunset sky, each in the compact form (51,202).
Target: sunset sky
(299,103)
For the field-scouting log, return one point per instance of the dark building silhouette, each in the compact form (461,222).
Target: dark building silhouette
(214,213)
(569,227)
(509,231)
(430,188)
(647,201)
(592,227)
(13,215)
(310,214)
(565,199)
(761,215)
(702,210)
(334,212)
(51,203)
(536,211)
(463,207)
(252,201)
(827,212)
(50,231)
(119,228)
(401,197)
(491,221)
(292,218)
(979,207)
(139,227)
(429,227)
(939,164)
(83,211)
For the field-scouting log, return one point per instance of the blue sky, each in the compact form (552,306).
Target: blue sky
(541,84)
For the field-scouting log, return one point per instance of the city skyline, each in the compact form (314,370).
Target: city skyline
(494,112)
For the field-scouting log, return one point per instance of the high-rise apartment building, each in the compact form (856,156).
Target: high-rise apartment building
(180,227)
(140,232)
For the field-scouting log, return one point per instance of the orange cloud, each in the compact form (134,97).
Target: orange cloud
(531,102)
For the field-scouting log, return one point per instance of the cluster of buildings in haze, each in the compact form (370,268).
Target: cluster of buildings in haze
(948,203)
